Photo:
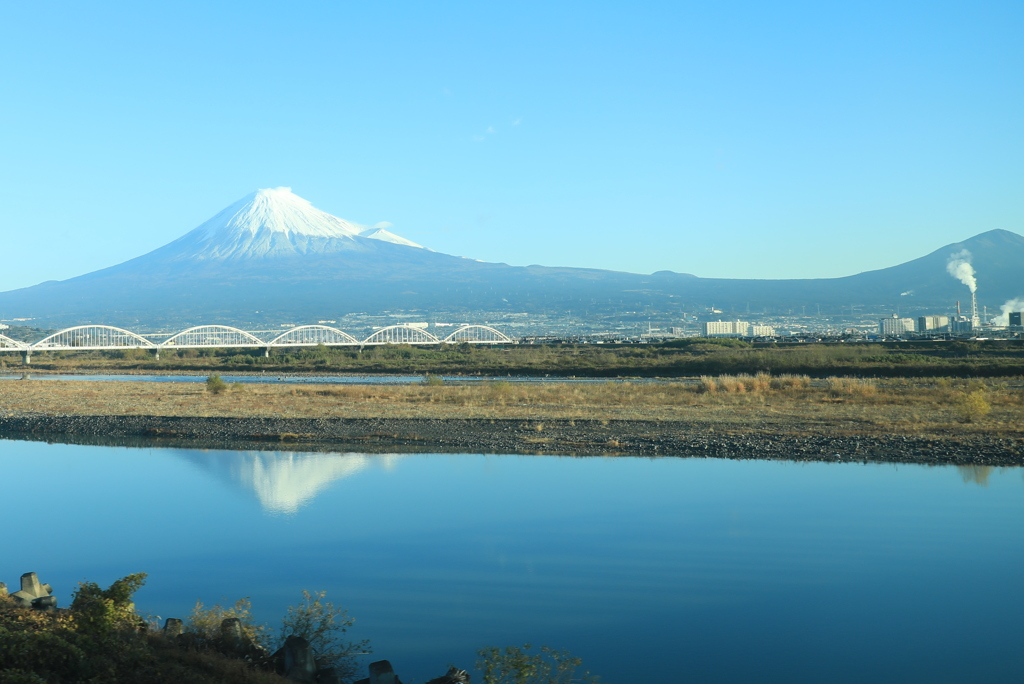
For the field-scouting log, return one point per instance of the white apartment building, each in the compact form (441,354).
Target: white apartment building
(736,329)
(895,325)
(726,328)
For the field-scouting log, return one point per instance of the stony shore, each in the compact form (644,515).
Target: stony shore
(566,437)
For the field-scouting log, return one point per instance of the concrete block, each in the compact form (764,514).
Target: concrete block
(299,665)
(23,599)
(45,603)
(30,585)
(173,628)
(232,634)
(381,672)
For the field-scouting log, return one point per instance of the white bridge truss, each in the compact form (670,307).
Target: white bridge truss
(98,337)
(8,343)
(93,337)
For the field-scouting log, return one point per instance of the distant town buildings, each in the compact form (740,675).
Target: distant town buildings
(961,324)
(895,326)
(736,329)
(933,324)
(725,328)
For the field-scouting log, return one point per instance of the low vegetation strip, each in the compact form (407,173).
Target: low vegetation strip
(954,421)
(679,358)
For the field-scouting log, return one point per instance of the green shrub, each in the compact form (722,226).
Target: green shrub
(101,611)
(204,623)
(12,676)
(324,625)
(514,665)
(214,385)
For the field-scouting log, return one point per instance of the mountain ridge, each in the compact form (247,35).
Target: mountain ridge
(272,254)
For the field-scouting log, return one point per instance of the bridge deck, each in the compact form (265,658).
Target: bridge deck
(103,337)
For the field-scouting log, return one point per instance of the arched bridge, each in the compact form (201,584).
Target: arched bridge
(99,337)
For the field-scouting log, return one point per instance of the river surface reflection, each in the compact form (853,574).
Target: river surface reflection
(666,569)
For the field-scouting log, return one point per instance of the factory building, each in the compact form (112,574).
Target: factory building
(895,326)
(1015,319)
(933,323)
(961,324)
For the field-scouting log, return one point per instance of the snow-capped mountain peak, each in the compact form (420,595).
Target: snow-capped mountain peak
(278,210)
(274,222)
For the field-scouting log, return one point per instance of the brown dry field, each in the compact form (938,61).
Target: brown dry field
(733,404)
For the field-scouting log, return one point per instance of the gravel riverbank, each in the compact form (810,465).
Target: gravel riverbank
(568,437)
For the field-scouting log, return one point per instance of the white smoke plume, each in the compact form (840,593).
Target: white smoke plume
(1008,308)
(959,266)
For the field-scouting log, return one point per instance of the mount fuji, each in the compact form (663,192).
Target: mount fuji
(273,256)
(270,224)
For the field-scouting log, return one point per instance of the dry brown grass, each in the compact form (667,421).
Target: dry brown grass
(851,387)
(785,403)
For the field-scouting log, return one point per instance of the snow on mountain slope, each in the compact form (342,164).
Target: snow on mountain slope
(388,236)
(268,223)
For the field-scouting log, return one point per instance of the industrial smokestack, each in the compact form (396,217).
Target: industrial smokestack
(975,321)
(958,308)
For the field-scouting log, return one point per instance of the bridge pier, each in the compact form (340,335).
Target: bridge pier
(26,357)
(156,354)
(266,352)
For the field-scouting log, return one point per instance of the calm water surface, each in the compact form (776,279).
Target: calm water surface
(670,569)
(306,379)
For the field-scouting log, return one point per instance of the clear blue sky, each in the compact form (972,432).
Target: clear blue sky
(733,139)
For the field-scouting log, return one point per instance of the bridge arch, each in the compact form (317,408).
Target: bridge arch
(8,343)
(93,337)
(312,335)
(213,336)
(479,334)
(401,334)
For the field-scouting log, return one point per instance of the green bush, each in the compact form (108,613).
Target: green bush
(214,385)
(324,625)
(515,665)
(101,611)
(204,623)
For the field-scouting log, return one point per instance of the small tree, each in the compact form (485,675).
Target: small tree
(205,623)
(324,625)
(214,385)
(973,406)
(101,611)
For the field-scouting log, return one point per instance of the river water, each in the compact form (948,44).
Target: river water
(649,569)
(307,379)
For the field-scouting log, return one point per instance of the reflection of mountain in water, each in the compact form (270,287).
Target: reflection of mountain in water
(283,481)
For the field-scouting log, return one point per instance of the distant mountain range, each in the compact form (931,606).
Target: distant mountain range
(272,256)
